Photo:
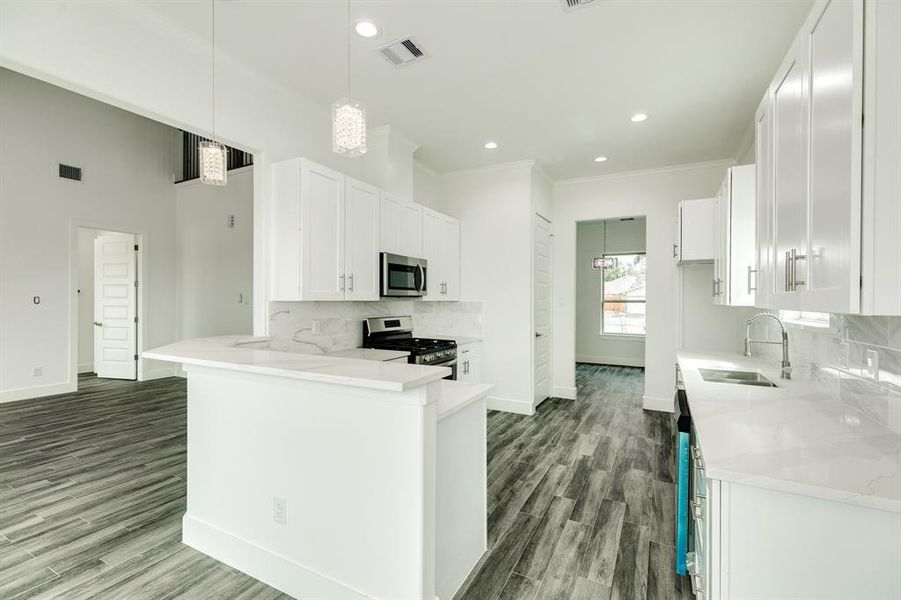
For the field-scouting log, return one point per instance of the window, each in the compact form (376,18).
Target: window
(623,294)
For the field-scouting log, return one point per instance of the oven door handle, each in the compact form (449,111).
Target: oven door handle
(450,363)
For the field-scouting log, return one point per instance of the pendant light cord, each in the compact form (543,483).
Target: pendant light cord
(213,71)
(348,49)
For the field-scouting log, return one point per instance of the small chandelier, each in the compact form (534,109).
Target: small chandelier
(349,117)
(213,155)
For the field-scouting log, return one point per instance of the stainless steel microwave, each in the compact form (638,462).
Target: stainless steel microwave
(403,275)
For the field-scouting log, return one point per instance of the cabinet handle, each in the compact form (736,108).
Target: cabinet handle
(342,281)
(754,288)
(350,282)
(788,270)
(714,287)
(795,257)
(675,250)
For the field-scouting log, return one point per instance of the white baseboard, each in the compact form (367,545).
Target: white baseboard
(564,391)
(618,361)
(37,391)
(520,407)
(655,403)
(280,572)
(86,368)
(161,372)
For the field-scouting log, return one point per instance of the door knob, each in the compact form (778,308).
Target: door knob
(538,335)
(98,323)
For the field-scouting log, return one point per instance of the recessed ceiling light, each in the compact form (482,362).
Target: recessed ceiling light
(639,117)
(490,145)
(600,158)
(366,29)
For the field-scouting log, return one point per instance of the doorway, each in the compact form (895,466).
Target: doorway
(611,291)
(541,309)
(108,303)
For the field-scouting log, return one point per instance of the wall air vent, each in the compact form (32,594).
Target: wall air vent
(569,5)
(70,172)
(402,52)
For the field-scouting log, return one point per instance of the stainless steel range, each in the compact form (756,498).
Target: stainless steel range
(396,333)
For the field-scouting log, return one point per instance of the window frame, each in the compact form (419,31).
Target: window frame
(624,301)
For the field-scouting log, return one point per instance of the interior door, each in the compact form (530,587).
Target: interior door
(115,307)
(361,241)
(832,282)
(322,275)
(541,308)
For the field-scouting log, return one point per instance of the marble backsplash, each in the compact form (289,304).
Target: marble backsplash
(854,355)
(293,325)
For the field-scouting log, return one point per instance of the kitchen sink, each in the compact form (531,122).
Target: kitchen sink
(739,377)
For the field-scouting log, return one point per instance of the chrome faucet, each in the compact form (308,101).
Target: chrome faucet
(786,365)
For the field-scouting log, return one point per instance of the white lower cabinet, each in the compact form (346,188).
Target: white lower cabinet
(762,543)
(441,248)
(325,234)
(469,362)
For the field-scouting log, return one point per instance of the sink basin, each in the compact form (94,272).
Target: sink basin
(739,377)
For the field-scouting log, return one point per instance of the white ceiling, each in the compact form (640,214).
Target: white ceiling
(546,84)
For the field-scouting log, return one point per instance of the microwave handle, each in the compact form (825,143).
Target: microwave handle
(421,287)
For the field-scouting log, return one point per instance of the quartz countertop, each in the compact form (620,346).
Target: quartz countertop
(369,354)
(457,395)
(817,434)
(250,354)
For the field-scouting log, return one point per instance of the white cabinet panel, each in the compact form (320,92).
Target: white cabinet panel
(321,233)
(740,253)
(361,241)
(441,245)
(695,231)
(832,274)
(763,278)
(401,227)
(469,362)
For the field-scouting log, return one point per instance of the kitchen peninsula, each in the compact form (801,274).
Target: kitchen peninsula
(330,477)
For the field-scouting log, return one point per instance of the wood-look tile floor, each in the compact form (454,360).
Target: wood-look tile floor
(581,498)
(92,490)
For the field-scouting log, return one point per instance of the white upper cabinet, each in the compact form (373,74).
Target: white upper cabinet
(763,271)
(401,227)
(361,244)
(441,245)
(734,240)
(325,234)
(694,231)
(809,136)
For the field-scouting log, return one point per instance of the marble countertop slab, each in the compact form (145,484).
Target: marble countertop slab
(457,395)
(369,354)
(818,434)
(251,355)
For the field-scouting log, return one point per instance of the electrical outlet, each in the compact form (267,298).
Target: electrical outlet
(280,510)
(871,364)
(37,371)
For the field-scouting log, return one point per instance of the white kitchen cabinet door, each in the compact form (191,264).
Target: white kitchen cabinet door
(881,248)
(321,232)
(831,270)
(695,231)
(361,233)
(741,248)
(401,227)
(763,277)
(469,362)
(789,115)
(720,283)
(452,279)
(441,248)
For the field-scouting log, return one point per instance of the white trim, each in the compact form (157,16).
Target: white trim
(85,368)
(724,162)
(425,168)
(565,392)
(747,140)
(36,391)
(490,168)
(608,359)
(273,569)
(163,371)
(544,175)
(511,405)
(659,404)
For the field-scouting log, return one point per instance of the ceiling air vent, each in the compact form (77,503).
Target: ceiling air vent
(70,172)
(574,4)
(402,52)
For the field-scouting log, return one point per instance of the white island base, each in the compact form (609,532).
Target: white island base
(335,490)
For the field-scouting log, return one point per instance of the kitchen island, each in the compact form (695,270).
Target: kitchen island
(330,477)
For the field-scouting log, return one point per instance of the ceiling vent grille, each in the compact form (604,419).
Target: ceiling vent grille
(70,172)
(569,5)
(402,52)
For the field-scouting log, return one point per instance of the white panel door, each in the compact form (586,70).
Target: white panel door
(361,232)
(541,309)
(115,307)
(789,117)
(832,274)
(763,280)
(322,274)
(433,251)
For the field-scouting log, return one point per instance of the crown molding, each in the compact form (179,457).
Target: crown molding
(490,168)
(723,162)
